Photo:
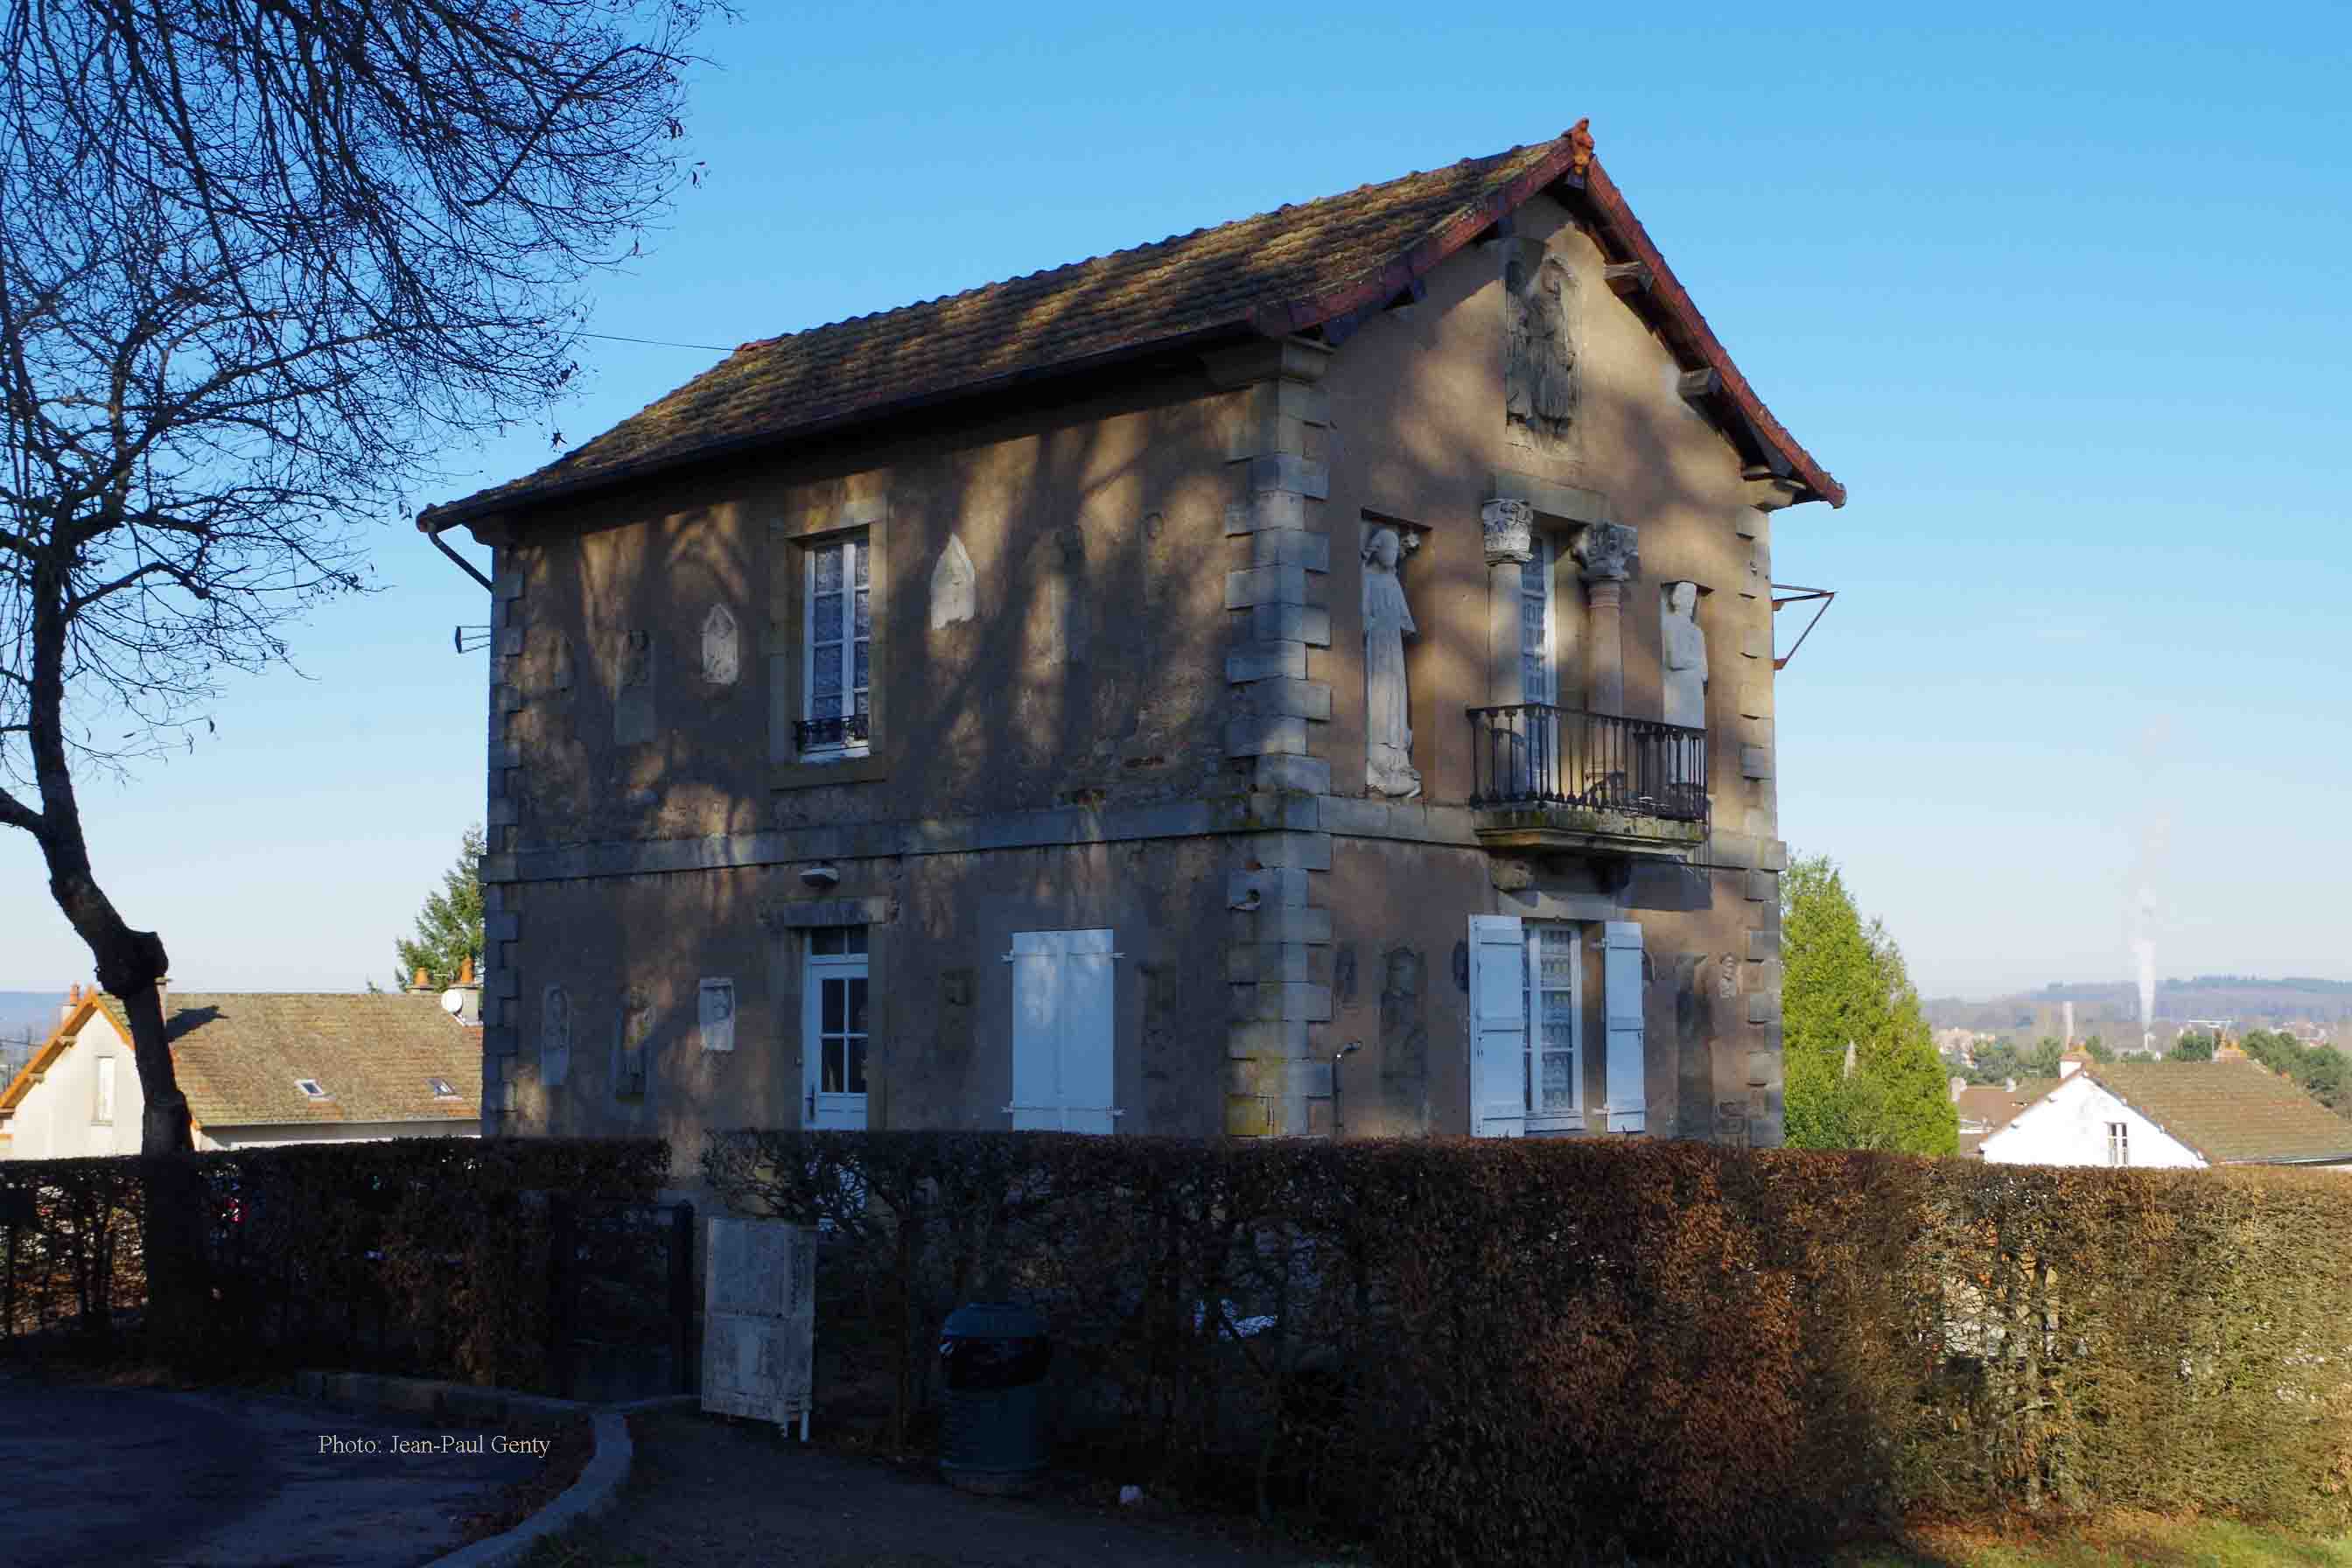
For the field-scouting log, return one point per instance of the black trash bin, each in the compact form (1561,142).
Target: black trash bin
(993,1361)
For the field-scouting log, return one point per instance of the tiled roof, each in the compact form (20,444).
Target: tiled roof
(1294,270)
(2230,1112)
(1993,1105)
(239,1055)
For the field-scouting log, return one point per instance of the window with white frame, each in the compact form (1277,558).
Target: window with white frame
(2118,1142)
(1527,1026)
(1538,680)
(1555,999)
(103,1108)
(836,646)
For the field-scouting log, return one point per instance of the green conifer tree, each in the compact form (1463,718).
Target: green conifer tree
(450,926)
(1845,983)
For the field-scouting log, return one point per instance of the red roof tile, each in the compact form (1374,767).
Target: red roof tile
(1294,270)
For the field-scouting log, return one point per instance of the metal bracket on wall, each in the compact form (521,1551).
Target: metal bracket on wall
(1790,594)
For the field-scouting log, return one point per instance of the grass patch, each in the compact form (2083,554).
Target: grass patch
(2120,1541)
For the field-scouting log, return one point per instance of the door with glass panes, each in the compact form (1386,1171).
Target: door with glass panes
(1527,1026)
(832,1028)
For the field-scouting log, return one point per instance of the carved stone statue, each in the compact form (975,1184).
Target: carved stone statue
(722,650)
(1388,621)
(1539,360)
(952,585)
(1685,680)
(554,1036)
(1686,649)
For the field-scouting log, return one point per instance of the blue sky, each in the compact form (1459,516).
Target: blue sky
(2061,302)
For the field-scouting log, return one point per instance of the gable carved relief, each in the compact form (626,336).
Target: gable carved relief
(1539,370)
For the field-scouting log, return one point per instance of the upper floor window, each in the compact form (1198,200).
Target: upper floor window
(836,647)
(2118,1142)
(103,1111)
(1536,672)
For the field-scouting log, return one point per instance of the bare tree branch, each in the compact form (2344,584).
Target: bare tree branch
(260,264)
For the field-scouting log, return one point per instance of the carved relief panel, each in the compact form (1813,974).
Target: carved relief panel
(1539,354)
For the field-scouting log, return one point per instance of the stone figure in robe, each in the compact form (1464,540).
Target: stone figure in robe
(1539,360)
(1388,621)
(1685,676)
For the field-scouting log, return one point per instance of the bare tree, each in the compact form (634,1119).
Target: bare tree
(263,261)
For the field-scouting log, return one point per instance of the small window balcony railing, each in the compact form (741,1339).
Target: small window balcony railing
(830,734)
(1534,754)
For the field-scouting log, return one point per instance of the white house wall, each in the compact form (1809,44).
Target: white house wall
(281,1135)
(52,1121)
(2069,1127)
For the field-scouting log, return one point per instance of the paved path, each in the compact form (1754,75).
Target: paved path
(210,1480)
(714,1494)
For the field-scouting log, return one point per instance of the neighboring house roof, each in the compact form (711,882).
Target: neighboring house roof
(2231,1112)
(1320,266)
(240,1056)
(1992,1108)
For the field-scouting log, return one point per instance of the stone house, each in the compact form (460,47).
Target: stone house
(1309,675)
(259,1069)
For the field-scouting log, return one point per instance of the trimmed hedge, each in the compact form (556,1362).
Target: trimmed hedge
(423,1255)
(1569,1351)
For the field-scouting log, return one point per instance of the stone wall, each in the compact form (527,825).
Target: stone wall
(1119,679)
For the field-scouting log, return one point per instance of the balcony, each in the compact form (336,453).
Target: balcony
(1555,778)
(822,735)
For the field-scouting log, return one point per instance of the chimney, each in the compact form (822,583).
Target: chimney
(421,981)
(2009,1086)
(1958,1085)
(73,1003)
(470,985)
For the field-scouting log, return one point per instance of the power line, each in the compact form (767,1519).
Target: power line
(656,342)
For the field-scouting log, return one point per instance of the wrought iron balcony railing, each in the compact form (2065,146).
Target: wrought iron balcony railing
(1532,753)
(830,734)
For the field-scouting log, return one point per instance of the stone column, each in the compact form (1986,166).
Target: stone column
(1610,556)
(1278,943)
(1510,545)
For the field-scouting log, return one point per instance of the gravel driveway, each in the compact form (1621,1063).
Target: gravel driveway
(124,1476)
(715,1494)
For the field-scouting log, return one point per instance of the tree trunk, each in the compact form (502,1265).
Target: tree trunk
(129,963)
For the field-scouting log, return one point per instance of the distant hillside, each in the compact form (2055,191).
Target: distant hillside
(29,1010)
(2105,1006)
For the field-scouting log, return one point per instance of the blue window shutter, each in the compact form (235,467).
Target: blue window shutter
(1621,992)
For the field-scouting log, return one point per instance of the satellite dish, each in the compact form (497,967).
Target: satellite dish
(453,1001)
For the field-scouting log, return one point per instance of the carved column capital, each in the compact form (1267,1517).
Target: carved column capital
(1510,526)
(1609,551)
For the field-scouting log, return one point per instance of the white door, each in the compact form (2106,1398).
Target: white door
(1063,989)
(1498,1026)
(832,1029)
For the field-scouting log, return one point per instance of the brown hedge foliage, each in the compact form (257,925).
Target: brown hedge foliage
(1570,1351)
(426,1255)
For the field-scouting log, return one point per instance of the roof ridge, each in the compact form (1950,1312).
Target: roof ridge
(1130,252)
(1326,262)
